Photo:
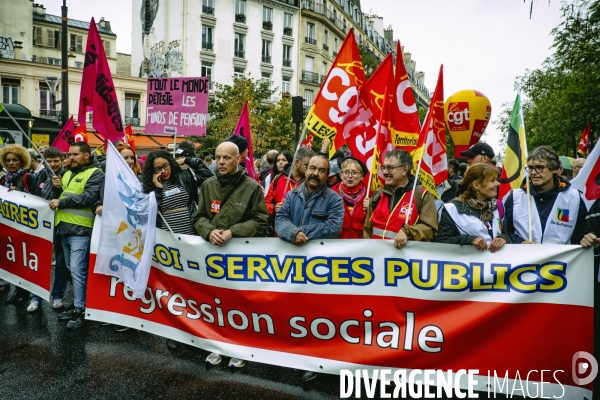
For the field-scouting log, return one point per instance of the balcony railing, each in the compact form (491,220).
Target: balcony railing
(310,77)
(50,114)
(239,53)
(267,25)
(290,2)
(310,40)
(287,63)
(325,47)
(313,6)
(323,78)
(287,31)
(208,10)
(266,59)
(241,18)
(132,120)
(207,46)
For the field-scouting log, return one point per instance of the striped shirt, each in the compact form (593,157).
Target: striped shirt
(174,208)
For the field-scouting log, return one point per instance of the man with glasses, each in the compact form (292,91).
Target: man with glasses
(391,214)
(311,211)
(557,210)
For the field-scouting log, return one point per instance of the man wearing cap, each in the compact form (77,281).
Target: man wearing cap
(242,145)
(388,215)
(230,205)
(557,210)
(479,153)
(183,152)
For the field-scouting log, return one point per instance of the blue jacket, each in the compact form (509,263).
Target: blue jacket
(319,218)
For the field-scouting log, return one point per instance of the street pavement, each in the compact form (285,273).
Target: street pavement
(41,359)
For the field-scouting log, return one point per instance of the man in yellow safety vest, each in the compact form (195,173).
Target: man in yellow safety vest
(73,196)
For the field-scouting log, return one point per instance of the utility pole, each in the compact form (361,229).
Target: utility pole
(65,65)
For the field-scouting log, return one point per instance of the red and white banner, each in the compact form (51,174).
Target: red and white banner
(26,229)
(336,304)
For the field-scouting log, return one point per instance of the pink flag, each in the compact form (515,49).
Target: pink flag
(66,137)
(98,91)
(243,129)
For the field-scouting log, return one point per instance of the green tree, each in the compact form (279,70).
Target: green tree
(563,92)
(369,60)
(270,122)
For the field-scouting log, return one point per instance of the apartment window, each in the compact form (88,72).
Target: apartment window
(47,102)
(285,85)
(323,71)
(208,7)
(266,78)
(132,103)
(240,11)
(266,51)
(238,73)
(287,55)
(310,34)
(267,19)
(239,45)
(335,45)
(207,38)
(78,64)
(10,91)
(206,70)
(53,61)
(326,40)
(107,48)
(288,22)
(309,97)
(53,38)
(308,63)
(76,43)
(37,36)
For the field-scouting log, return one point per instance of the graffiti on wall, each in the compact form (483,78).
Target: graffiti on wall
(7,48)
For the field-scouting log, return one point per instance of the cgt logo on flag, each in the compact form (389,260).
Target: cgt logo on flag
(562,214)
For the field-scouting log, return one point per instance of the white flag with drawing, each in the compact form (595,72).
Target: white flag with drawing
(128,226)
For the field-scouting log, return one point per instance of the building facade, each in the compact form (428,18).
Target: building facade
(217,39)
(30,66)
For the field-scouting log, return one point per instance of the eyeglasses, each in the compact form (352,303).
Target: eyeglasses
(350,173)
(390,167)
(165,167)
(537,168)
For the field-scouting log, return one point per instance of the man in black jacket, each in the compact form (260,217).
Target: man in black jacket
(73,196)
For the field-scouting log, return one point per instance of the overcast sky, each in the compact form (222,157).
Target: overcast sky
(483,44)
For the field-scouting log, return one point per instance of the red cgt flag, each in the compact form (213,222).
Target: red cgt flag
(432,142)
(584,142)
(129,138)
(338,102)
(587,180)
(98,90)
(405,118)
(308,142)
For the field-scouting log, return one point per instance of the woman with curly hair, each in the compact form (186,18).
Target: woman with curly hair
(476,216)
(176,189)
(16,160)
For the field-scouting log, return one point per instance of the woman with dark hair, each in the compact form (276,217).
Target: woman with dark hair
(176,189)
(354,192)
(16,160)
(475,217)
(283,159)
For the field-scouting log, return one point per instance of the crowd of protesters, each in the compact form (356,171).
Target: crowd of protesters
(298,198)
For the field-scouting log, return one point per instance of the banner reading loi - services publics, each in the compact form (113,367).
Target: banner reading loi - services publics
(352,304)
(26,228)
(177,106)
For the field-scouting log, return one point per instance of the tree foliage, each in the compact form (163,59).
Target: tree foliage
(561,97)
(270,122)
(369,60)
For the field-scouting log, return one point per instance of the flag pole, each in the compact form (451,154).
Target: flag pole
(2,108)
(376,141)
(412,192)
(174,144)
(518,89)
(528,204)
(295,157)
